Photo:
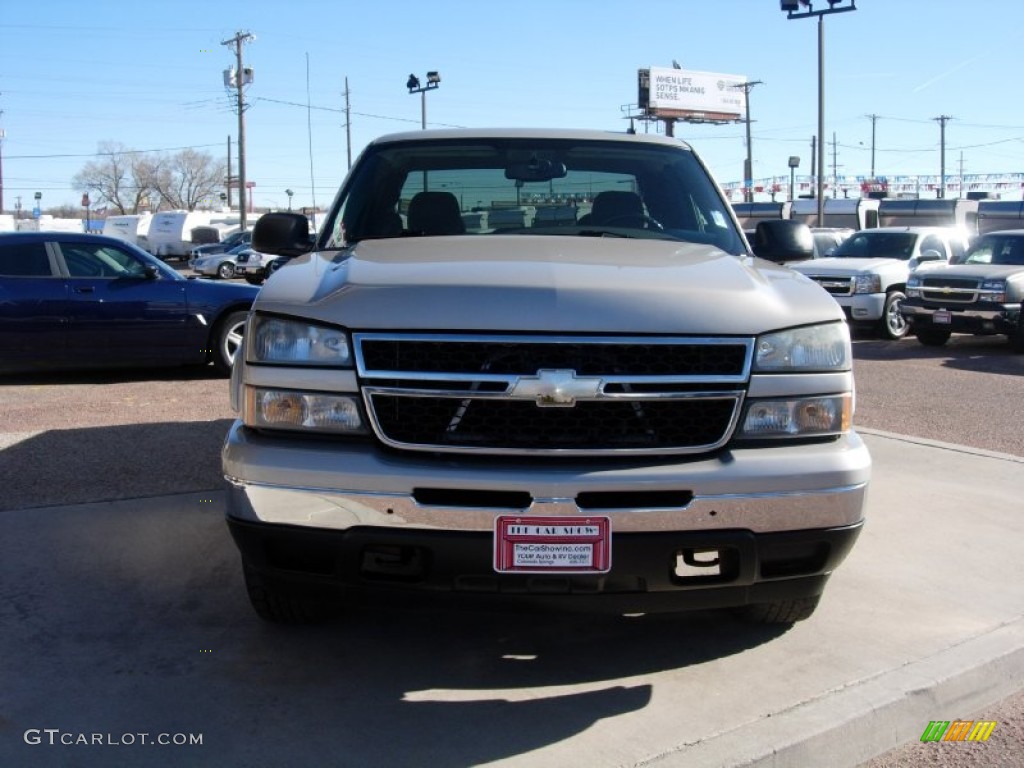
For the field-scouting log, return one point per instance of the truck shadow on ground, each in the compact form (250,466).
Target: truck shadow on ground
(73,466)
(131,616)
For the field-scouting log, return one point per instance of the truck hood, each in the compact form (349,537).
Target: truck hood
(545,284)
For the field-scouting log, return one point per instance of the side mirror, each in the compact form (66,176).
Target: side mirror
(281,234)
(783,240)
(150,272)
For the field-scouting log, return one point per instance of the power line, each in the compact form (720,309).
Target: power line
(118,152)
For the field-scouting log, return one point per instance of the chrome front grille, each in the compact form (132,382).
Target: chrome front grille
(950,290)
(837,286)
(574,395)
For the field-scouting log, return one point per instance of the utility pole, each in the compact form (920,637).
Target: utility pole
(874,119)
(348,126)
(814,160)
(835,167)
(963,192)
(240,83)
(3,135)
(941,119)
(748,165)
(228,182)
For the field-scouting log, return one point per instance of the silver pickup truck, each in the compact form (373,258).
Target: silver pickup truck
(612,408)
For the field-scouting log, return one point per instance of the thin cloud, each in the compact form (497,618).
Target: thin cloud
(948,72)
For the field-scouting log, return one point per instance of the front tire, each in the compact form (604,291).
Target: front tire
(1017,337)
(780,611)
(932,337)
(893,325)
(228,338)
(226,270)
(279,605)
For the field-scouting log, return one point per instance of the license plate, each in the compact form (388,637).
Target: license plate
(942,316)
(552,544)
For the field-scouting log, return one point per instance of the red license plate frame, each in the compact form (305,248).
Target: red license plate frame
(564,544)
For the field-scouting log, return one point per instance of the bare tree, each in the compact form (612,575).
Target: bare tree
(188,179)
(119,176)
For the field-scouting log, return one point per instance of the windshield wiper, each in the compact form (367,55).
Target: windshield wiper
(602,233)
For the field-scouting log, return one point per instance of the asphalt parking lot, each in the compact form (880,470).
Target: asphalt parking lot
(127,614)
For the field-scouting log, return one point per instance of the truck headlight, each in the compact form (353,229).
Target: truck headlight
(867,284)
(267,408)
(993,290)
(799,417)
(914,287)
(813,348)
(278,340)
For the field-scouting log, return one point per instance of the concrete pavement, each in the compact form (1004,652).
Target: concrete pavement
(129,617)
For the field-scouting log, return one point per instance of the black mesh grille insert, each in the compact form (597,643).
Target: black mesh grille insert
(508,424)
(526,358)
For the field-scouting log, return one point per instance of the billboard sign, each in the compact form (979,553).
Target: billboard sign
(682,93)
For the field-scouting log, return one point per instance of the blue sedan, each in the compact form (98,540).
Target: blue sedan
(70,301)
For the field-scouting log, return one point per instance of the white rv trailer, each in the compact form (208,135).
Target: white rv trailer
(170,232)
(47,223)
(994,215)
(132,228)
(848,213)
(945,212)
(749,214)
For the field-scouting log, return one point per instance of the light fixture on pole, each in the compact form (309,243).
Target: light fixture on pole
(414,86)
(289,193)
(794,163)
(802,9)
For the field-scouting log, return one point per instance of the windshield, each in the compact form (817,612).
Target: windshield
(869,244)
(535,186)
(995,249)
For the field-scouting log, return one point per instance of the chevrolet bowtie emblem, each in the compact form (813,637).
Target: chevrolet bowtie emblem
(557,388)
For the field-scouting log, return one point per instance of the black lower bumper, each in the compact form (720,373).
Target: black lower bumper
(663,571)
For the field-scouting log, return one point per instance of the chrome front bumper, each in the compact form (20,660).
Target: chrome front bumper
(337,485)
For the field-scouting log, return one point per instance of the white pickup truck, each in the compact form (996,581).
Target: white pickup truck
(616,408)
(867,273)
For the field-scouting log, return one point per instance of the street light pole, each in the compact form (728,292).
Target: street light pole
(792,7)
(821,121)
(413,84)
(289,193)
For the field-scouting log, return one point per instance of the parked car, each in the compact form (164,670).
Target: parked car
(221,264)
(867,273)
(624,412)
(980,293)
(72,300)
(252,265)
(235,239)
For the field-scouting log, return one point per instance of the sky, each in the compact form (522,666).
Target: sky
(149,76)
